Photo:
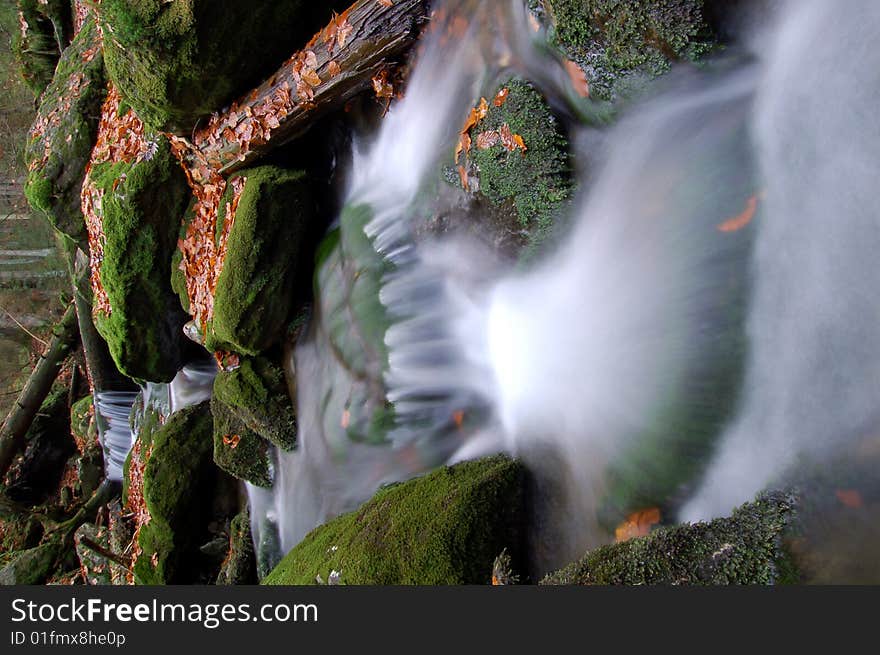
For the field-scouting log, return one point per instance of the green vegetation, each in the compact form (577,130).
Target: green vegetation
(239,567)
(747,548)
(178,480)
(622,43)
(254,298)
(238,450)
(65,129)
(142,205)
(256,392)
(536,183)
(444,528)
(176,61)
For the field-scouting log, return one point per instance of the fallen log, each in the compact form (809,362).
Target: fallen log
(338,63)
(15,427)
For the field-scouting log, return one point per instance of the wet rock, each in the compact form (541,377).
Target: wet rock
(535,183)
(444,528)
(178,481)
(238,450)
(89,462)
(142,204)
(256,393)
(179,60)
(749,547)
(60,141)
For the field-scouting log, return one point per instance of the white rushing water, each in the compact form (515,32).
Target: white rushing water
(669,350)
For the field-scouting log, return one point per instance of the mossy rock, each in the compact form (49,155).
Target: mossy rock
(256,392)
(537,183)
(350,332)
(60,143)
(749,547)
(179,60)
(82,421)
(240,566)
(143,202)
(44,34)
(444,528)
(254,297)
(178,484)
(97,569)
(238,450)
(31,567)
(620,44)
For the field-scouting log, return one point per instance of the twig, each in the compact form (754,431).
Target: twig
(29,333)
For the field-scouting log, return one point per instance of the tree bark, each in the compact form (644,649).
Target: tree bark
(102,371)
(340,62)
(15,427)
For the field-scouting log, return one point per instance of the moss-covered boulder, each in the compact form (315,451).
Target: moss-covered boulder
(749,547)
(178,480)
(33,566)
(97,568)
(238,450)
(142,202)
(179,60)
(254,297)
(535,182)
(60,141)
(240,566)
(444,528)
(44,31)
(622,43)
(256,392)
(90,460)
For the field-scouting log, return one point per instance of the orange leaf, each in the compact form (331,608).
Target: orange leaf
(333,69)
(638,524)
(487,139)
(501,97)
(849,498)
(463,176)
(520,143)
(578,78)
(741,220)
(386,3)
(311,77)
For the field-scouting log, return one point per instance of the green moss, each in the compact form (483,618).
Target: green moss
(444,528)
(619,43)
(749,547)
(238,450)
(70,109)
(30,567)
(256,392)
(178,481)
(239,567)
(537,182)
(142,205)
(254,298)
(82,421)
(179,60)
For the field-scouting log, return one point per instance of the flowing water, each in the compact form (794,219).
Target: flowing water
(708,323)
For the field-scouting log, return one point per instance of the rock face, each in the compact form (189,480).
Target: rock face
(179,60)
(444,528)
(240,566)
(619,44)
(141,205)
(177,484)
(61,138)
(749,547)
(254,296)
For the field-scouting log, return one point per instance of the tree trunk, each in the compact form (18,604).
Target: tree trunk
(22,414)
(336,65)
(100,367)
